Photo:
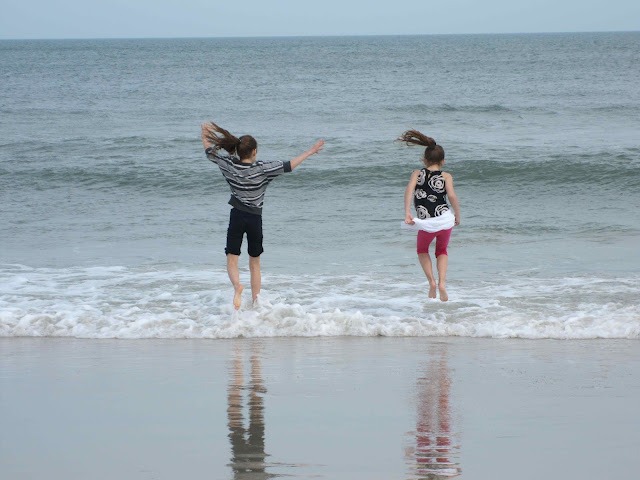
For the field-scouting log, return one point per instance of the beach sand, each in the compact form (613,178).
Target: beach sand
(335,408)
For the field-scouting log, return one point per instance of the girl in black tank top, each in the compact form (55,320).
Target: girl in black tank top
(429,189)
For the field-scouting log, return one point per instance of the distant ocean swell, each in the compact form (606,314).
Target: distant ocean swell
(116,179)
(119,302)
(570,169)
(421,108)
(496,109)
(493,111)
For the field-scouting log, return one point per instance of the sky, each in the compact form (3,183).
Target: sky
(248,18)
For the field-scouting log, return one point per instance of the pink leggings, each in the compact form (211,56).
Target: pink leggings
(442,241)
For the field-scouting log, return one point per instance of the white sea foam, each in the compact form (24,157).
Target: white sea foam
(118,302)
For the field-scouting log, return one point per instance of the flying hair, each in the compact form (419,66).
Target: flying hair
(433,153)
(242,146)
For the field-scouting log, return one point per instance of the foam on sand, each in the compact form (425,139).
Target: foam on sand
(119,302)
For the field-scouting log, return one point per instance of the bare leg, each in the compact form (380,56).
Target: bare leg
(256,276)
(234,276)
(442,262)
(425,262)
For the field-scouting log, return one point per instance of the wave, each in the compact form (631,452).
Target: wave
(575,170)
(117,169)
(491,108)
(181,302)
(494,109)
(558,169)
(169,180)
(422,108)
(626,108)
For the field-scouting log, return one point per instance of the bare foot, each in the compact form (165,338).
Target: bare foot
(432,291)
(237,297)
(443,293)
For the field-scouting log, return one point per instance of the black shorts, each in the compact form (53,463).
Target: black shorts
(240,223)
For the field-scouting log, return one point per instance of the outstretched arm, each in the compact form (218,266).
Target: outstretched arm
(451,195)
(303,156)
(408,197)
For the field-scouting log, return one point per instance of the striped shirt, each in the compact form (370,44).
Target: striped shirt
(248,181)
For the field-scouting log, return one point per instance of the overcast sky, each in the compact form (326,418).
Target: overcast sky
(217,18)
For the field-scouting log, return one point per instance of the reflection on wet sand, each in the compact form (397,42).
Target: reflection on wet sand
(433,451)
(247,442)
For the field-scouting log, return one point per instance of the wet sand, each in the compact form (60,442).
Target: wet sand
(335,408)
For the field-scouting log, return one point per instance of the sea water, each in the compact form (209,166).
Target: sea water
(114,222)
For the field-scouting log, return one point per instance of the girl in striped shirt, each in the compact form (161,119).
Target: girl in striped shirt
(248,180)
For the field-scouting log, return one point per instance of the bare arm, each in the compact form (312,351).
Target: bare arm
(408,197)
(303,156)
(451,195)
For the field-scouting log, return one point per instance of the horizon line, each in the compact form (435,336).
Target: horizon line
(559,32)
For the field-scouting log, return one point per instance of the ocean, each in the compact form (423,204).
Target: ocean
(114,222)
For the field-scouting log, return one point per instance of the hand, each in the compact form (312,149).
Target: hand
(408,219)
(316,147)
(457,222)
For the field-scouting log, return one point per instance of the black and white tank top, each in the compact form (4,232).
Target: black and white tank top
(430,196)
